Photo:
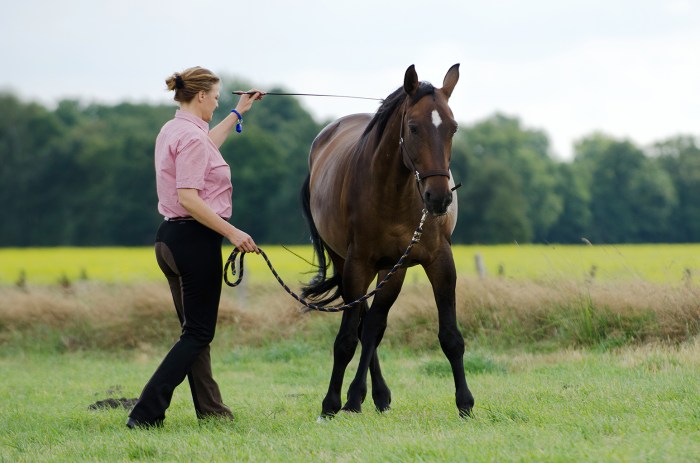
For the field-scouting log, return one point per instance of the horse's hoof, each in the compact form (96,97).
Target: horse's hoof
(352,409)
(384,409)
(382,401)
(325,416)
(466,413)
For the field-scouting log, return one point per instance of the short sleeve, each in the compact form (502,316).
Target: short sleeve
(191,165)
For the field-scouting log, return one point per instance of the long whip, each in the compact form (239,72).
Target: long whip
(239,92)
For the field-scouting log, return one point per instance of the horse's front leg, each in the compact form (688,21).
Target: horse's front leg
(343,351)
(373,327)
(442,275)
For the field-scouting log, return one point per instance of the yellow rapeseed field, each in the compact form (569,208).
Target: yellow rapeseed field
(667,264)
(659,263)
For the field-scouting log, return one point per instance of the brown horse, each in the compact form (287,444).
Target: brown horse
(370,178)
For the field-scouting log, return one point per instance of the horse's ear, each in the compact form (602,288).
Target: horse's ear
(451,78)
(410,80)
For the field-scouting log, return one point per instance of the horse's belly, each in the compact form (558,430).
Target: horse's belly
(329,215)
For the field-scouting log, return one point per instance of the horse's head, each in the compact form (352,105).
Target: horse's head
(427,128)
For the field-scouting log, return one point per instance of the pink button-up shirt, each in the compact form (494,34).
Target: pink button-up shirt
(185,157)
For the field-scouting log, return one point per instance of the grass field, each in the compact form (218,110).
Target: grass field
(669,264)
(636,404)
(574,353)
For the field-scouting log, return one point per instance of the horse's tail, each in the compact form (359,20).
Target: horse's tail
(321,290)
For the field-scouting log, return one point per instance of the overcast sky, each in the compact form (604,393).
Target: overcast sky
(630,68)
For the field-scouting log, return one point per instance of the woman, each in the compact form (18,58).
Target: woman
(194,196)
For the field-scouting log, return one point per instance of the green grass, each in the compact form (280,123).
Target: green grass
(629,404)
(564,366)
(655,263)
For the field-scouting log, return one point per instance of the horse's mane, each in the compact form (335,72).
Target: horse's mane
(393,101)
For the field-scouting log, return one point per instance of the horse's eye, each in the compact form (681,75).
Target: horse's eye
(413,129)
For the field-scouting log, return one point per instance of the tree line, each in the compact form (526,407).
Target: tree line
(83,175)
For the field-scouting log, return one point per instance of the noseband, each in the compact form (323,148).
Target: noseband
(408,162)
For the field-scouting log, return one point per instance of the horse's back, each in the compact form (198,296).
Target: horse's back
(338,138)
(330,161)
(331,153)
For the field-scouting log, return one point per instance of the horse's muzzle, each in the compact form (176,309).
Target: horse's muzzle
(437,204)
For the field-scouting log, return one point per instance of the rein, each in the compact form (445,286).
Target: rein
(231,263)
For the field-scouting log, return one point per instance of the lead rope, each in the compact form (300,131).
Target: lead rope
(231,262)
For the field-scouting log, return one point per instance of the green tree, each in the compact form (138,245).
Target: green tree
(83,175)
(631,197)
(575,219)
(492,208)
(680,158)
(27,133)
(526,166)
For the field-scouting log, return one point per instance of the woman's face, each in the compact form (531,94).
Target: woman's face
(210,102)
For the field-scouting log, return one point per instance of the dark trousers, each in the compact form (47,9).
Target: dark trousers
(189,254)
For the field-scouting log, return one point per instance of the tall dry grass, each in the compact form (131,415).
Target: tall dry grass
(109,316)
(511,312)
(501,312)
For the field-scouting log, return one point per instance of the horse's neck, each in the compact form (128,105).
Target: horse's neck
(388,170)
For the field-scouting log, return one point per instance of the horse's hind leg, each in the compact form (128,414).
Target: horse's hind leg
(381,395)
(373,327)
(442,276)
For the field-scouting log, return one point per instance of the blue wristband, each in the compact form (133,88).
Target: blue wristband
(239,122)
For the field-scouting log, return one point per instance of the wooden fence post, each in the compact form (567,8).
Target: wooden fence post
(480,266)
